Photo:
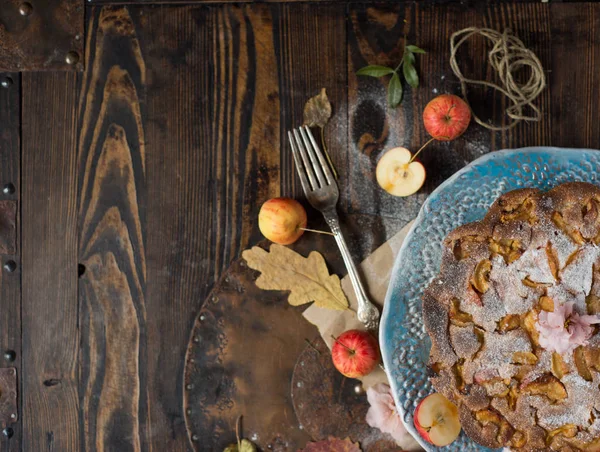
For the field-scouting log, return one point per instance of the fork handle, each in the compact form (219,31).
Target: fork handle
(367,312)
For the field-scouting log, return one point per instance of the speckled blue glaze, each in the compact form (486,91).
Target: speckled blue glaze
(463,198)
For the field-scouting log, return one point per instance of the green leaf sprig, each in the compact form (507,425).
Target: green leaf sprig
(395,92)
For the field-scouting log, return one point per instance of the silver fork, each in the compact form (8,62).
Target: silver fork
(322,193)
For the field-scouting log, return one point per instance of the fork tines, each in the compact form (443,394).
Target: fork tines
(312,167)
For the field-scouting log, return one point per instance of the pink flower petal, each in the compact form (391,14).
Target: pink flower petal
(382,414)
(564,329)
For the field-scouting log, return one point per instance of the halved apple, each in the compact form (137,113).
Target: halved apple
(437,421)
(397,175)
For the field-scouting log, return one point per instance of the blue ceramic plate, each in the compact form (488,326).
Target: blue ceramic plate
(463,198)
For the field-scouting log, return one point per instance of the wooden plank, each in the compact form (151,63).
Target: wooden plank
(42,35)
(376,36)
(213,158)
(49,262)
(178,203)
(112,248)
(531,23)
(187,2)
(311,57)
(10,286)
(574,80)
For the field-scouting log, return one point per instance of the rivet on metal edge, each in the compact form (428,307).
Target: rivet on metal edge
(25,9)
(188,411)
(8,432)
(10,355)
(196,339)
(215,298)
(77,37)
(202,318)
(189,387)
(6,82)
(227,279)
(195,438)
(10,266)
(8,189)
(13,416)
(72,58)
(192,360)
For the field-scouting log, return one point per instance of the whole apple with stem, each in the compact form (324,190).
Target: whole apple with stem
(446,117)
(355,353)
(282,220)
(437,420)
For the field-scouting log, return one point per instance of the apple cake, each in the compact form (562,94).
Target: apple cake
(513,320)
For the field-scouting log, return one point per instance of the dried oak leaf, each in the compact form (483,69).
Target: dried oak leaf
(307,278)
(332,445)
(317,110)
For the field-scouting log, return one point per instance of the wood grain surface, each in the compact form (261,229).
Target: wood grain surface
(50,340)
(10,285)
(142,177)
(112,256)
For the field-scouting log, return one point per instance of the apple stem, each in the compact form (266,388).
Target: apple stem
(317,231)
(237,431)
(343,345)
(422,147)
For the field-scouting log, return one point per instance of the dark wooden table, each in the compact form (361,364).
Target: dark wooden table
(139,179)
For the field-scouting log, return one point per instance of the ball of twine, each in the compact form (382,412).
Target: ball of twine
(507,56)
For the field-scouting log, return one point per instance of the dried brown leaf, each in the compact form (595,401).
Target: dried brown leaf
(317,110)
(307,278)
(332,445)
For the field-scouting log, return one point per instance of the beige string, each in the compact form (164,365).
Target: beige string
(508,55)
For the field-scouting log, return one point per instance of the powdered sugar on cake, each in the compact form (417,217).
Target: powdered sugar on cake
(533,345)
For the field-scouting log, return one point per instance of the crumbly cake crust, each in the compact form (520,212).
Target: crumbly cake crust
(531,249)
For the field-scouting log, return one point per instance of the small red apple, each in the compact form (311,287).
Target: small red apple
(355,353)
(437,421)
(282,220)
(446,117)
